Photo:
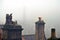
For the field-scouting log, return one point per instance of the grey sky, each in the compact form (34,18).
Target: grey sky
(26,12)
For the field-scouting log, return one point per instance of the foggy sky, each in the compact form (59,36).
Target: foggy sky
(26,12)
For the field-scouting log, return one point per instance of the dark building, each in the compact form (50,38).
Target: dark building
(11,30)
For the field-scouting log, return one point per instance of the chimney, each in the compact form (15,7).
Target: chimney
(53,33)
(39,30)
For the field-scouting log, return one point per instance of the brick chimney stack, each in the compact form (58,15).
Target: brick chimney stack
(53,33)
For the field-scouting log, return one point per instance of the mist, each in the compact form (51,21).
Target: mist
(26,12)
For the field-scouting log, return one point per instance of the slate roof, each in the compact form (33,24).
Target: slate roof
(29,37)
(1,26)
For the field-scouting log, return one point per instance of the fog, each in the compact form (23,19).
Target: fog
(26,12)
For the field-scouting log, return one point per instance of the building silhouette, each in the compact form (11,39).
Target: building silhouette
(11,30)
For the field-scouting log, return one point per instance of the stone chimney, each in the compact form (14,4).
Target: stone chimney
(39,30)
